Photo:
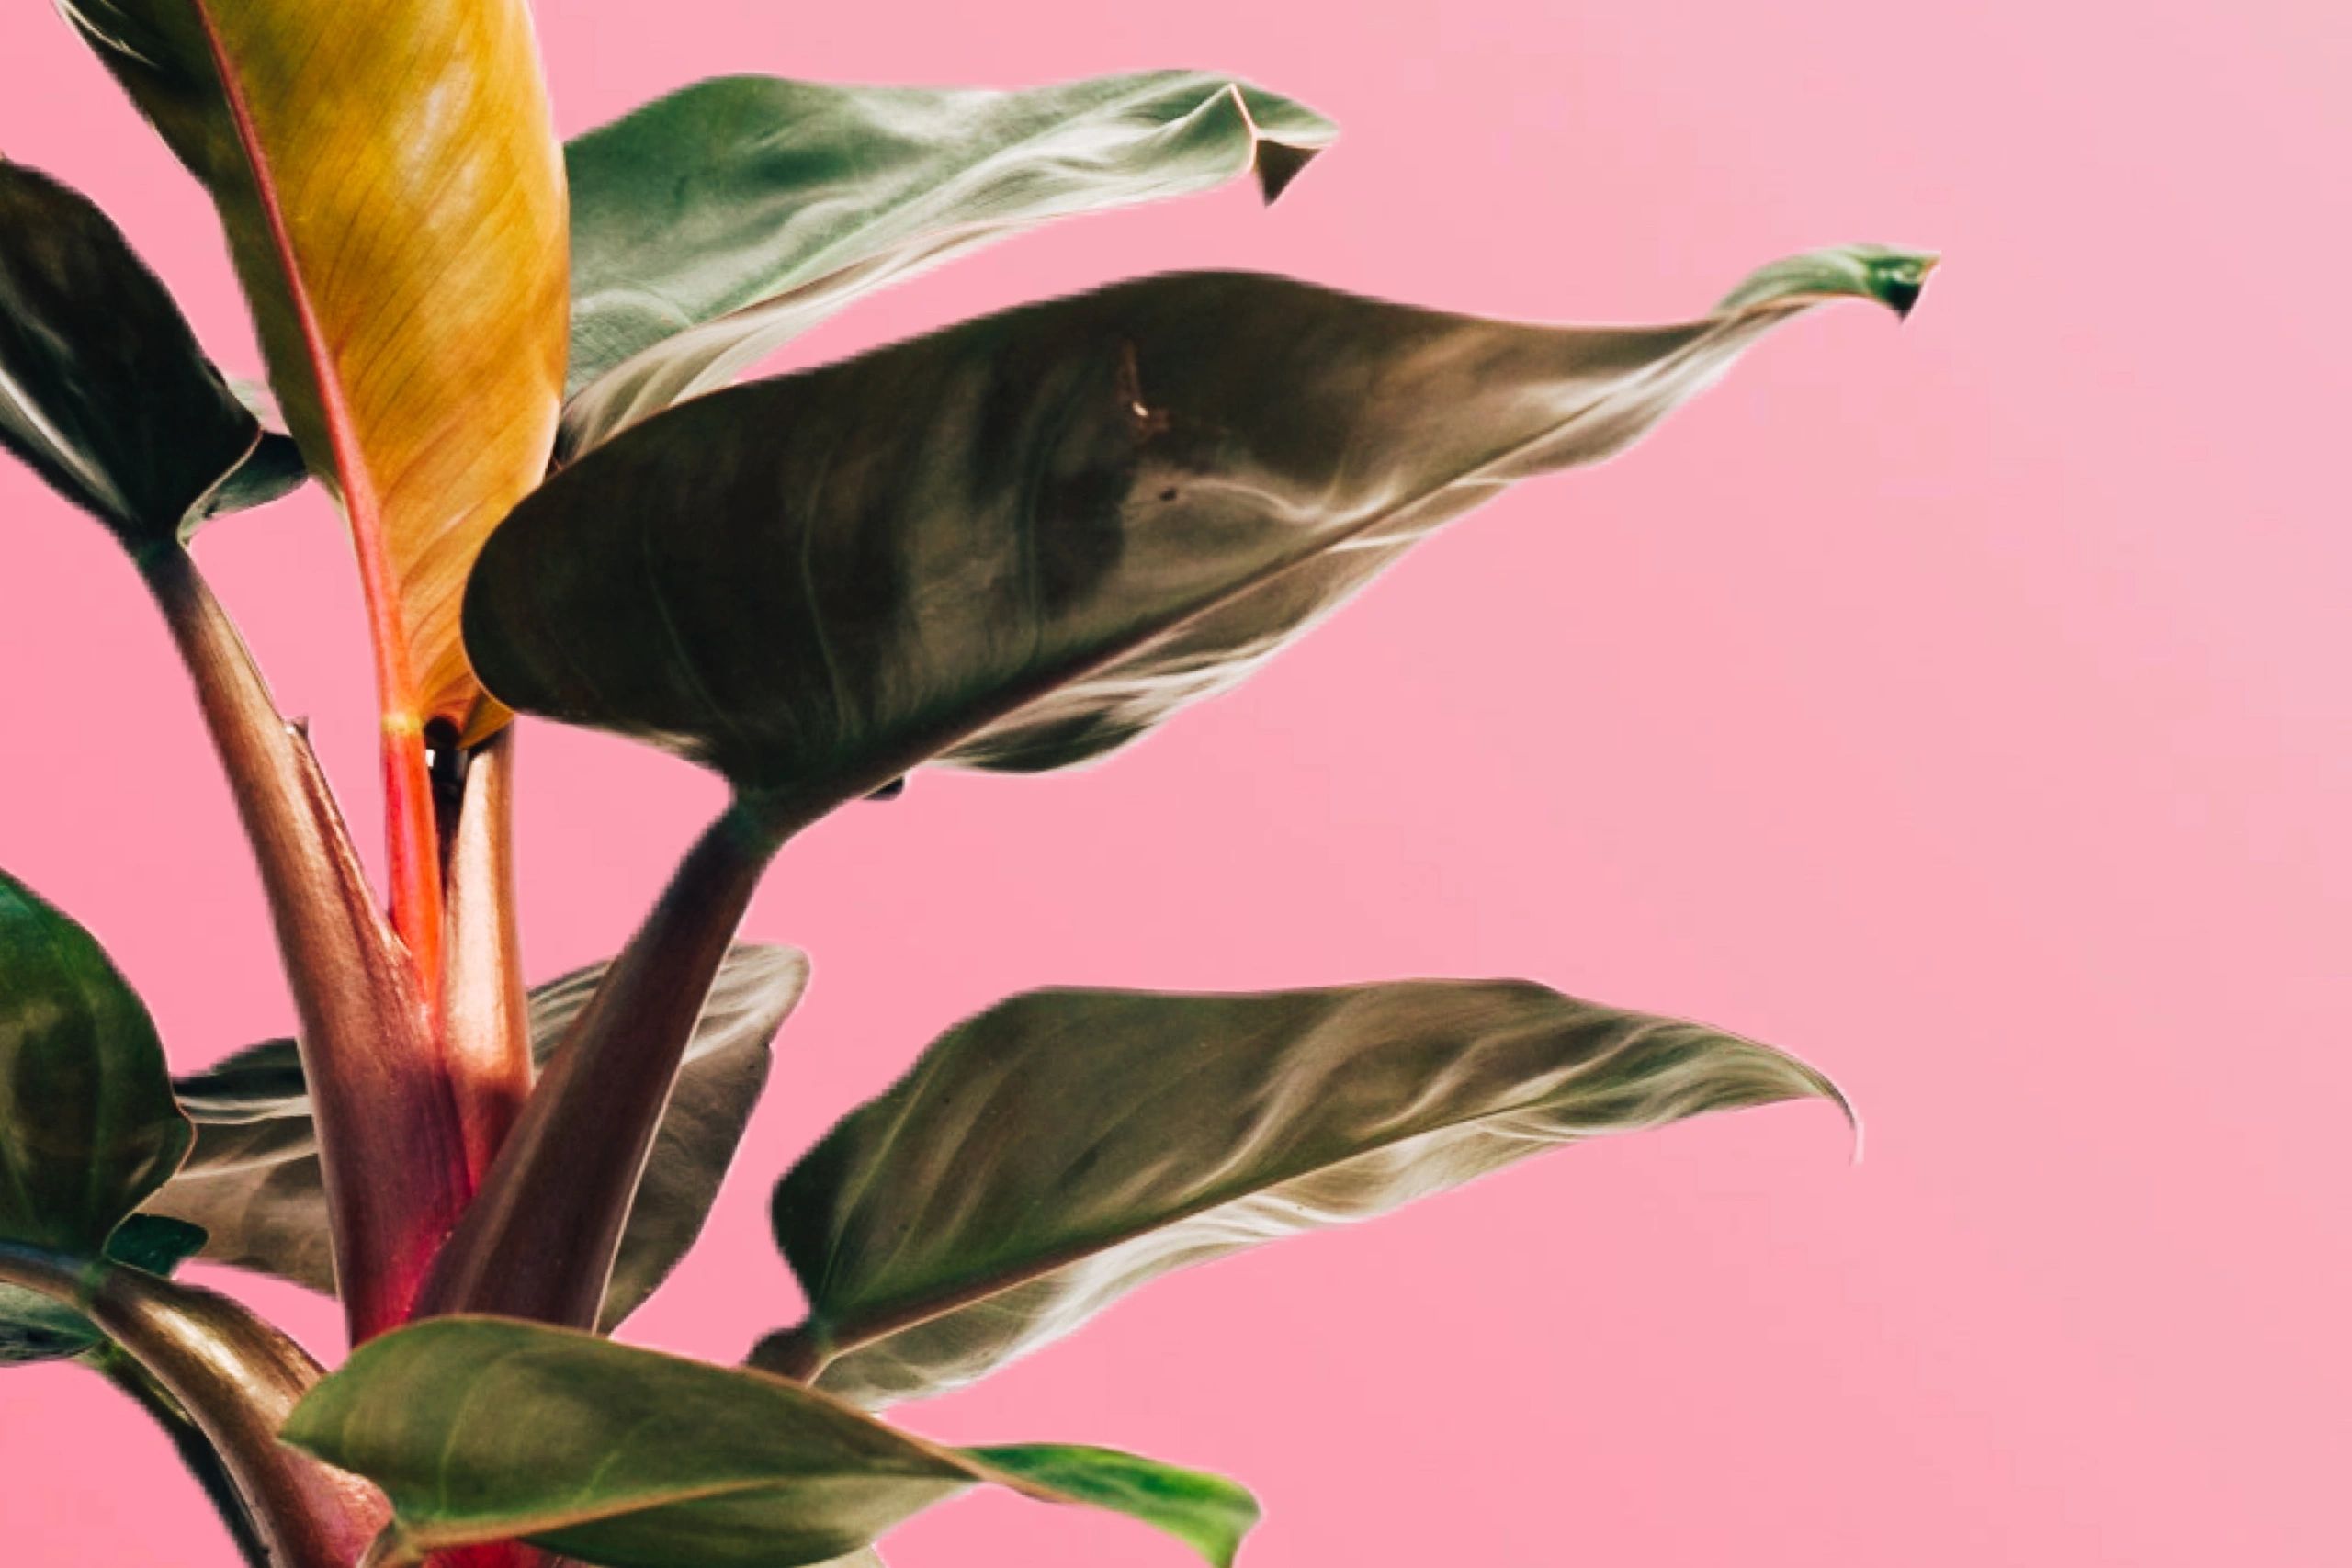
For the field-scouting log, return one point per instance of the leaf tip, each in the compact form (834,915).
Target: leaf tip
(1278,164)
(1899,276)
(1888,275)
(1823,1087)
(1278,158)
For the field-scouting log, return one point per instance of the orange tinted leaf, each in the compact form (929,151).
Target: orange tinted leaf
(393,195)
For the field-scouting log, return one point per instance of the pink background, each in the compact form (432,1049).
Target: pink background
(1962,706)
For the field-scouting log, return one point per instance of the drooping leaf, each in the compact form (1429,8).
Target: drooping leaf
(714,225)
(485,1429)
(35,1327)
(393,196)
(88,1124)
(253,1180)
(1064,1148)
(103,387)
(1022,542)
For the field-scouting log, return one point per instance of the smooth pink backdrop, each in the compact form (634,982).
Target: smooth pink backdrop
(1962,705)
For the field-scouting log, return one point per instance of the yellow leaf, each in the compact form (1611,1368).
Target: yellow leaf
(393,195)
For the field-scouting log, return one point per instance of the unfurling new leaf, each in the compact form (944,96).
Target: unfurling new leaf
(1066,1146)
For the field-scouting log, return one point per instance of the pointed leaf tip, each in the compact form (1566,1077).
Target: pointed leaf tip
(1207,1512)
(1892,277)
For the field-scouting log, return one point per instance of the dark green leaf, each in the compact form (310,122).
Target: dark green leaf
(35,1327)
(274,469)
(88,1124)
(1023,541)
(1066,1146)
(485,1429)
(102,389)
(253,1182)
(714,225)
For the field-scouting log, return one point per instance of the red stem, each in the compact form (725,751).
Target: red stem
(411,846)
(539,1241)
(390,1148)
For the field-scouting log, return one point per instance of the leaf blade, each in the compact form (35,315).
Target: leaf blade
(405,266)
(88,1127)
(1048,1157)
(484,1430)
(104,389)
(1077,519)
(715,224)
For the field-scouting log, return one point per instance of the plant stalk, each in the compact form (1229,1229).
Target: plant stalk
(389,1146)
(237,1378)
(539,1241)
(196,1452)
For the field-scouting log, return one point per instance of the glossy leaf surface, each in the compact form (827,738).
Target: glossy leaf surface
(406,264)
(253,1182)
(715,224)
(1066,1146)
(104,389)
(88,1124)
(1022,542)
(486,1429)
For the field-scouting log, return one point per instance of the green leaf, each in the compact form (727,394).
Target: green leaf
(484,1430)
(1022,542)
(1207,1512)
(714,225)
(253,1182)
(88,1124)
(103,387)
(35,1327)
(1064,1148)
(274,468)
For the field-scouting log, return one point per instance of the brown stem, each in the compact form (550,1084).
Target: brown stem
(389,1146)
(539,1241)
(238,1379)
(486,1029)
(196,1451)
